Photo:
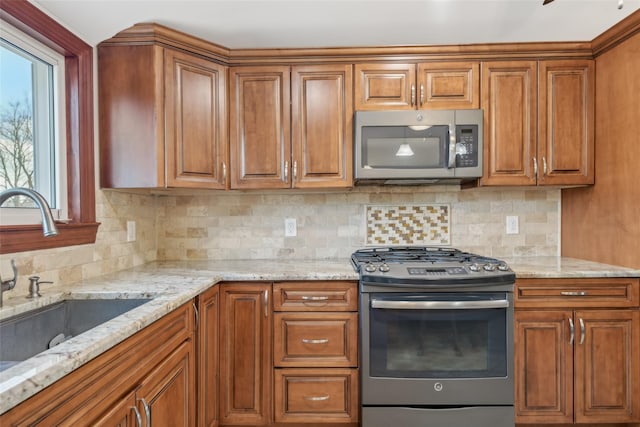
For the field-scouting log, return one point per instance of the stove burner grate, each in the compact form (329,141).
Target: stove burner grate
(395,254)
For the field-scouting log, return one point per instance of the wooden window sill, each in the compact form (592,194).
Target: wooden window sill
(20,238)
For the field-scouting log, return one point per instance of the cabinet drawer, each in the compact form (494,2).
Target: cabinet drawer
(577,293)
(315,339)
(316,395)
(315,296)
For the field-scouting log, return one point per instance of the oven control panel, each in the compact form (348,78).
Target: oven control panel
(435,271)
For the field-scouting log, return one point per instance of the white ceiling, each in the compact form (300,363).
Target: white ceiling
(328,23)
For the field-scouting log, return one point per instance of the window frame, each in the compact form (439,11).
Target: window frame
(50,160)
(82,227)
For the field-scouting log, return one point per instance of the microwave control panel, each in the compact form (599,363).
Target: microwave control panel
(466,146)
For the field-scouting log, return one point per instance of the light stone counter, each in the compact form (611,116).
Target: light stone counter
(170,284)
(563,267)
(173,283)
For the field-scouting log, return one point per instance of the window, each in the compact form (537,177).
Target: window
(32,125)
(81,227)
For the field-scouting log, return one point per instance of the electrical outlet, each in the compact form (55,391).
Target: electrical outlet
(290,229)
(512,224)
(131,231)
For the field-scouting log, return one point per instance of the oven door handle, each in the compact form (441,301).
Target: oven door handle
(438,305)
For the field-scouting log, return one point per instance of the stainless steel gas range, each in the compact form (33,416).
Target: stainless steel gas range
(436,338)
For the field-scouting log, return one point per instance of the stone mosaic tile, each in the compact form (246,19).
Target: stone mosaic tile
(408,225)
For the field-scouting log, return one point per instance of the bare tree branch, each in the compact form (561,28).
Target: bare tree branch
(17,166)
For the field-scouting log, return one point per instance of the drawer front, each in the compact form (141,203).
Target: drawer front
(577,293)
(315,296)
(316,395)
(315,339)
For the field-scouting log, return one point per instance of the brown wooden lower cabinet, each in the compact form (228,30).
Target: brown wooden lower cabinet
(315,348)
(245,354)
(316,395)
(577,364)
(208,357)
(288,353)
(151,375)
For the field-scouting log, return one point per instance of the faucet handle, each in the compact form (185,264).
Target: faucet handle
(34,286)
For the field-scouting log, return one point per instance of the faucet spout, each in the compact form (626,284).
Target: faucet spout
(48,224)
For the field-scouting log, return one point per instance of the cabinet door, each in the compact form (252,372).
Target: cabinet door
(543,367)
(123,414)
(607,368)
(166,397)
(207,378)
(509,104)
(322,111)
(566,122)
(245,354)
(449,85)
(259,134)
(196,138)
(385,87)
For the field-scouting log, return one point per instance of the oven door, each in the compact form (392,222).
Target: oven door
(437,348)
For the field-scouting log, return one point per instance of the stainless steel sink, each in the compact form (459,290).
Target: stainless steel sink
(27,334)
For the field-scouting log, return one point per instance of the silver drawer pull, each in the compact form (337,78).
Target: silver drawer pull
(310,341)
(138,416)
(317,398)
(574,293)
(314,298)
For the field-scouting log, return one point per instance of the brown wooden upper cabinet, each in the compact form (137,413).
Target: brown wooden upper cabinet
(538,122)
(429,85)
(162,118)
(291,127)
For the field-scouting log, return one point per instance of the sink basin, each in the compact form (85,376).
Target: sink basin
(27,334)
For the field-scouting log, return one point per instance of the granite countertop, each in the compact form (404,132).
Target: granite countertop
(173,283)
(549,267)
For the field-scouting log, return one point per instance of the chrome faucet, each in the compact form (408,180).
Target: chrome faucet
(7,285)
(48,224)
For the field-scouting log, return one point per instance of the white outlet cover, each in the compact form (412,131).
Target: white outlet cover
(290,227)
(131,231)
(512,224)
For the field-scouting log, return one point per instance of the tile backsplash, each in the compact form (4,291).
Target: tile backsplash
(408,225)
(238,225)
(250,225)
(110,253)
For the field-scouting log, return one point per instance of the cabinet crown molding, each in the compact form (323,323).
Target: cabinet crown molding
(154,33)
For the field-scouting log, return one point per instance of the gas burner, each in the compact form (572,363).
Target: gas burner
(427,264)
(417,253)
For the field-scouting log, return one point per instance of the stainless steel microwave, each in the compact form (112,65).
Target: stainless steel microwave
(428,146)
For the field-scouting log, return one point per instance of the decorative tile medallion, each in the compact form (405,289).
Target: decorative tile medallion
(409,225)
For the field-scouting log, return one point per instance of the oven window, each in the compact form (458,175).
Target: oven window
(438,343)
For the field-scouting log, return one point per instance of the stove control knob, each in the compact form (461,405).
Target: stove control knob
(370,268)
(384,267)
(503,267)
(474,267)
(489,267)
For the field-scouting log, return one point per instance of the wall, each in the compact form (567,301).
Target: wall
(110,253)
(601,223)
(234,225)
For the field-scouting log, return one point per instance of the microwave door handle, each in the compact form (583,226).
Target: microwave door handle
(452,146)
(438,305)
